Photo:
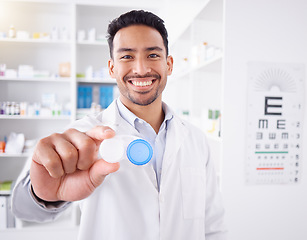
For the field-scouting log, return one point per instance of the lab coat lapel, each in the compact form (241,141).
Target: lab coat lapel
(112,118)
(176,134)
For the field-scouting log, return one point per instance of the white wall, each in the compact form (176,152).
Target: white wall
(269,31)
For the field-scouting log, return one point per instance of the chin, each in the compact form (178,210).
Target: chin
(143,102)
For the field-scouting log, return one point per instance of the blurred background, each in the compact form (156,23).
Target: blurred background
(239,75)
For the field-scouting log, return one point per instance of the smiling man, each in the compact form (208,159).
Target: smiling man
(174,196)
(140,65)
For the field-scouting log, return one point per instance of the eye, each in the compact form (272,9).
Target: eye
(126,57)
(153,55)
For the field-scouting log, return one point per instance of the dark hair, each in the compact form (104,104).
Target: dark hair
(136,17)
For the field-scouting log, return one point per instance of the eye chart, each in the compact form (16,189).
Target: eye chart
(274,123)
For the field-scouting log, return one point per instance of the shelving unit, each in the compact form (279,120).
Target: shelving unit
(97,80)
(92,54)
(195,86)
(13,155)
(213,64)
(17,117)
(98,43)
(46,54)
(42,54)
(38,79)
(47,41)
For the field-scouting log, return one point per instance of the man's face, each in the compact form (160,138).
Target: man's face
(140,64)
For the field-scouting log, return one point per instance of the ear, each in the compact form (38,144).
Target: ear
(170,63)
(111,68)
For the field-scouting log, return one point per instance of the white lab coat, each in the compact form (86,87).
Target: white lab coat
(128,205)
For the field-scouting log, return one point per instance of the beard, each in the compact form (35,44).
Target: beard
(144,101)
(148,75)
(141,99)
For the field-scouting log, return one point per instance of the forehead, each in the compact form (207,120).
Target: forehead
(137,37)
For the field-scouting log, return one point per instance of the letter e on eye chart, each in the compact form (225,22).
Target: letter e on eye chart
(275,111)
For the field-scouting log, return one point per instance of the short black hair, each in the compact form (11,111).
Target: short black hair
(136,17)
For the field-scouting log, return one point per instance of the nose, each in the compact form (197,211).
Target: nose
(141,67)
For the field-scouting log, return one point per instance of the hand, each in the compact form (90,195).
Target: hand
(65,167)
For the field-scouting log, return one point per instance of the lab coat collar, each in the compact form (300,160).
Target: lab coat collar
(111,117)
(176,129)
(131,118)
(125,113)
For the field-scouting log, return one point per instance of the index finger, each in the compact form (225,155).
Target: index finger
(99,133)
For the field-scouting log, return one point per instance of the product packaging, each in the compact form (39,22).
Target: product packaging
(64,69)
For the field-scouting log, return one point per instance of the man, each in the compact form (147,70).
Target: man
(174,196)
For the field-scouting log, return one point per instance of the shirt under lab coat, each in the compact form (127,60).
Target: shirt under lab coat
(128,204)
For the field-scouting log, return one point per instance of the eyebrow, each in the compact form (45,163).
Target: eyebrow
(134,50)
(154,48)
(125,50)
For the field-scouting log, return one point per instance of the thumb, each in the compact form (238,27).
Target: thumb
(100,169)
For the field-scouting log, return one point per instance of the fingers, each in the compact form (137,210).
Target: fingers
(45,155)
(99,133)
(100,170)
(68,154)
(88,144)
(85,146)
(65,153)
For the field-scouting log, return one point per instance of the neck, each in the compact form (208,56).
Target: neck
(152,113)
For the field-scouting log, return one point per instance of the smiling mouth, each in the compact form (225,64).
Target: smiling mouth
(142,83)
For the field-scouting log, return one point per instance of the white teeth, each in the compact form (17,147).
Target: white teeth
(141,84)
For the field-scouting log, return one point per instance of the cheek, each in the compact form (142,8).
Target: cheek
(160,68)
(165,71)
(122,70)
(118,73)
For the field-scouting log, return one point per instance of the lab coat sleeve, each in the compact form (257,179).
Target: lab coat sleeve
(215,228)
(26,206)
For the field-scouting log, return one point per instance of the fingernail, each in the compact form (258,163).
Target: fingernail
(108,130)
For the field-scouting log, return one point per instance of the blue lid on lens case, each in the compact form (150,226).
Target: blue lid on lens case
(139,152)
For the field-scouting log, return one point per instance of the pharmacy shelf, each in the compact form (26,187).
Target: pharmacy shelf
(47,54)
(38,79)
(82,112)
(14,155)
(20,117)
(97,80)
(198,122)
(212,65)
(66,227)
(196,84)
(93,43)
(32,40)
(214,138)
